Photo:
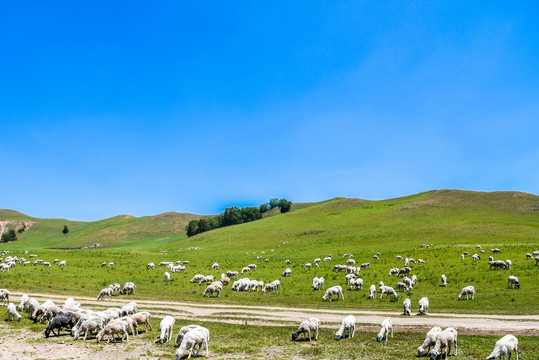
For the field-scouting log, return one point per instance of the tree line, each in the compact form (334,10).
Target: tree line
(234,215)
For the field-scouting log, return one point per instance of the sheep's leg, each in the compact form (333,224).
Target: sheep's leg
(85,334)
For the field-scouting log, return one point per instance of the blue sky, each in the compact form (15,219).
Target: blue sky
(114,108)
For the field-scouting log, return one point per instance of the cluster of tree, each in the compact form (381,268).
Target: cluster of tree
(8,236)
(234,215)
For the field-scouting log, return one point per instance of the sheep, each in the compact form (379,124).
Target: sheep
(150,266)
(478,246)
(307,266)
(24,302)
(513,282)
(401,286)
(384,330)
(129,288)
(110,264)
(105,292)
(129,308)
(12,312)
(348,323)
(462,257)
(404,270)
(327,259)
(380,284)
(350,262)
(378,253)
(215,266)
(269,287)
(444,280)
(4,296)
(37,314)
(197,336)
(245,269)
(166,328)
(287,272)
(141,318)
(349,277)
(444,339)
(184,330)
(490,258)
(225,279)
(356,284)
(364,265)
(529,256)
(393,271)
(307,327)
(387,290)
(60,321)
(482,251)
(505,345)
(252,266)
(375,257)
(104,264)
(408,282)
(430,340)
(414,280)
(466,253)
(70,302)
(372,292)
(115,288)
(33,306)
(88,324)
(497,264)
(197,278)
(536,252)
(62,263)
(423,306)
(232,274)
(495,251)
(399,257)
(508,263)
(421,261)
(334,290)
(317,260)
(114,327)
(406,306)
(468,290)
(476,257)
(213,289)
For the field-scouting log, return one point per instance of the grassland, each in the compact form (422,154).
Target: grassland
(452,221)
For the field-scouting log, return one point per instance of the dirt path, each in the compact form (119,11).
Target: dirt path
(279,316)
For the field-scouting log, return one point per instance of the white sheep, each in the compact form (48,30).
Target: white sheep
(476,257)
(414,280)
(33,307)
(372,292)
(468,290)
(198,336)
(167,276)
(88,324)
(430,340)
(334,290)
(408,282)
(423,306)
(166,328)
(504,346)
(348,323)
(141,318)
(349,277)
(421,261)
(513,282)
(375,257)
(401,286)
(4,295)
(62,263)
(406,306)
(393,271)
(444,339)
(444,280)
(356,284)
(287,272)
(105,292)
(318,283)
(387,290)
(12,313)
(386,326)
(508,263)
(213,289)
(307,266)
(114,327)
(129,308)
(150,266)
(24,302)
(307,327)
(215,266)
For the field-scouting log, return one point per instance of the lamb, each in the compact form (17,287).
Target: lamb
(42,309)
(386,326)
(468,290)
(12,312)
(318,283)
(287,272)
(129,308)
(24,302)
(166,328)
(4,296)
(513,282)
(387,290)
(444,339)
(197,336)
(406,306)
(141,318)
(423,306)
(104,264)
(317,260)
(167,276)
(307,327)
(372,292)
(444,280)
(105,292)
(356,284)
(59,322)
(114,327)
(505,345)
(348,323)
(430,340)
(213,289)
(401,286)
(334,290)
(393,271)
(225,279)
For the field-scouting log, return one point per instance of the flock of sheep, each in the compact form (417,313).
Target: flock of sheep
(9,262)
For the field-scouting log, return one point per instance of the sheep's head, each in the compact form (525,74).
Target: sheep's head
(434,354)
(420,351)
(380,338)
(517,285)
(295,335)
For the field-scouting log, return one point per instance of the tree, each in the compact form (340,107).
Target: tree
(66,230)
(8,236)
(263,208)
(192,228)
(273,203)
(285,205)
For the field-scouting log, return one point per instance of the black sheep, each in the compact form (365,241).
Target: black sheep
(59,322)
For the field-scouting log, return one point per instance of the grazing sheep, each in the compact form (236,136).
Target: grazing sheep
(508,263)
(115,288)
(399,257)
(4,296)
(129,288)
(184,330)
(406,306)
(197,336)
(24,302)
(364,265)
(378,253)
(348,323)
(380,284)
(141,318)
(468,290)
(414,280)
(404,270)
(33,307)
(375,257)
(12,313)
(356,284)
(372,292)
(349,277)
(334,290)
(423,306)
(245,269)
(495,251)
(318,283)
(62,263)
(476,257)
(350,262)
(213,289)
(88,324)
(386,326)
(129,308)
(490,258)
(387,290)
(393,271)
(105,292)
(466,253)
(444,280)
(327,259)
(478,246)
(482,251)
(430,340)
(287,272)
(110,264)
(309,326)
(401,286)
(150,266)
(197,278)
(215,266)
(444,339)
(269,287)
(513,282)
(117,326)
(421,261)
(408,282)
(504,346)
(166,328)
(536,252)
(529,256)
(307,266)
(59,322)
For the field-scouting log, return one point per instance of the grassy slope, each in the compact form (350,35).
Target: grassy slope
(453,221)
